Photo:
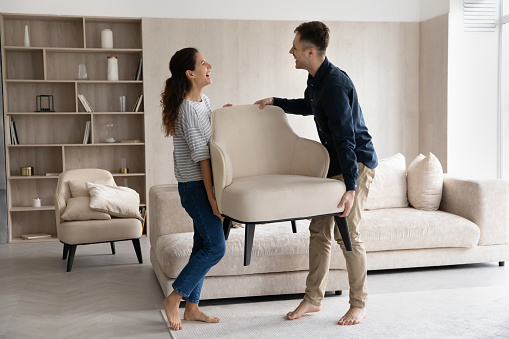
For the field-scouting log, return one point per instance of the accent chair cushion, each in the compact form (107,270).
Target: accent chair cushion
(389,188)
(117,201)
(79,188)
(79,209)
(425,182)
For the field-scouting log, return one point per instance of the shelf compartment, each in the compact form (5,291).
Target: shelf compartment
(126,32)
(44,31)
(24,64)
(24,191)
(47,129)
(105,97)
(125,127)
(41,221)
(64,66)
(137,183)
(47,159)
(21,96)
(105,157)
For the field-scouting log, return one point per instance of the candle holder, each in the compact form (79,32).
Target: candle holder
(123,166)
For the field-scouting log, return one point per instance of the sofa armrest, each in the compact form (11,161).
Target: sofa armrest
(166,214)
(484,202)
(222,171)
(310,159)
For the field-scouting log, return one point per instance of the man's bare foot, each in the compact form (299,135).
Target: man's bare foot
(354,316)
(171,307)
(303,308)
(193,313)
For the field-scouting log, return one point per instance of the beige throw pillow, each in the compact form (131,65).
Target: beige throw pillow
(79,209)
(78,188)
(425,182)
(122,202)
(388,189)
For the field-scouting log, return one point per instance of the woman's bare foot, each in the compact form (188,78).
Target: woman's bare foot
(193,313)
(171,307)
(303,308)
(354,316)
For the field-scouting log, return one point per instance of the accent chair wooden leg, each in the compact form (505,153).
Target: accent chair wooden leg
(248,245)
(294,226)
(227,225)
(112,244)
(501,263)
(137,248)
(66,250)
(72,251)
(340,292)
(343,230)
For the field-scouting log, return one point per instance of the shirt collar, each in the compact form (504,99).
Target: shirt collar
(319,74)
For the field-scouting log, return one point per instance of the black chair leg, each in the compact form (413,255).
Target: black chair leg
(72,251)
(248,245)
(112,244)
(294,226)
(227,225)
(339,292)
(66,250)
(343,230)
(137,248)
(501,263)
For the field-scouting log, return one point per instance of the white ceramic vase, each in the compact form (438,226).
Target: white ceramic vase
(112,68)
(106,38)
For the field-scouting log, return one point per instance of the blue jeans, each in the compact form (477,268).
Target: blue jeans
(208,241)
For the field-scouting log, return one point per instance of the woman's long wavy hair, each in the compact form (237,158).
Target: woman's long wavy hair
(177,86)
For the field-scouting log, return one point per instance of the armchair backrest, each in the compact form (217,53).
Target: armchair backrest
(86,174)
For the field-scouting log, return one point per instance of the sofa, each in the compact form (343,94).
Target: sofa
(466,222)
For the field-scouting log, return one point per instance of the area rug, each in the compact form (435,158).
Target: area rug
(481,312)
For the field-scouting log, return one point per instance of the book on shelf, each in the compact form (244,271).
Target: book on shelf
(86,136)
(131,141)
(35,236)
(84,102)
(14,133)
(138,103)
(52,174)
(138,70)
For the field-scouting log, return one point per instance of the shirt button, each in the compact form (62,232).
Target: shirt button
(311,100)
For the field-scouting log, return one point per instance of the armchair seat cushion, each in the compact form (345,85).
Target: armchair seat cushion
(92,231)
(274,197)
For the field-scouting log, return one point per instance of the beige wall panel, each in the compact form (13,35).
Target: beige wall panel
(433,88)
(251,61)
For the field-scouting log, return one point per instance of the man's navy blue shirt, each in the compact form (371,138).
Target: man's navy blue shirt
(331,97)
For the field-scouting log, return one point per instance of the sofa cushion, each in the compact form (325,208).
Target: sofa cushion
(389,188)
(79,209)
(275,249)
(425,182)
(79,188)
(409,228)
(91,231)
(122,202)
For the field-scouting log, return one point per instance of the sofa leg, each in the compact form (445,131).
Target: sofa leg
(248,245)
(72,251)
(227,225)
(340,292)
(294,226)
(112,245)
(501,263)
(66,251)
(137,248)
(343,230)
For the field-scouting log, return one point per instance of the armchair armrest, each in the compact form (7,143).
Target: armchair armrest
(310,159)
(222,171)
(484,202)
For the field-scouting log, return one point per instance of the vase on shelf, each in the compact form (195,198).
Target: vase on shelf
(26,41)
(112,68)
(107,38)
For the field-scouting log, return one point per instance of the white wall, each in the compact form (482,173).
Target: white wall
(328,10)
(472,99)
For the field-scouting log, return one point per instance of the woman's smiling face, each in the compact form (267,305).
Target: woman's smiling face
(201,74)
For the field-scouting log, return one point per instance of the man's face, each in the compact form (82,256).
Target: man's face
(299,51)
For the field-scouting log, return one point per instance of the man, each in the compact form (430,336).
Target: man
(331,97)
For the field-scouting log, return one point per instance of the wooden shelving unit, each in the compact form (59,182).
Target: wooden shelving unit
(51,142)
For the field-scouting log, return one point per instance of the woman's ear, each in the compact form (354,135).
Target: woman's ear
(189,74)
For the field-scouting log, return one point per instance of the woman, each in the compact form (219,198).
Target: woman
(186,117)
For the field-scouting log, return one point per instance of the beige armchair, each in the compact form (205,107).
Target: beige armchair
(264,172)
(82,232)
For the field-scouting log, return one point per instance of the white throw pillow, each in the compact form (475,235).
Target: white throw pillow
(388,189)
(79,209)
(425,178)
(122,202)
(78,188)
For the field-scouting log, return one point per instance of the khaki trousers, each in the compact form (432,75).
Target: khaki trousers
(320,247)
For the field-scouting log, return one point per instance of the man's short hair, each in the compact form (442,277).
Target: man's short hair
(315,33)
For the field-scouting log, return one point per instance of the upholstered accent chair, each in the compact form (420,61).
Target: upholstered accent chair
(264,172)
(87,226)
